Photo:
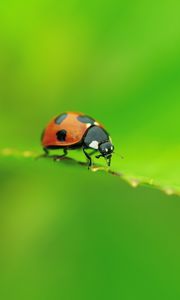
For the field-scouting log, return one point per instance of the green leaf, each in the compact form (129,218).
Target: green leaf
(82,235)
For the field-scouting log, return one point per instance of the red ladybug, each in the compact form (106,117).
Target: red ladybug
(75,130)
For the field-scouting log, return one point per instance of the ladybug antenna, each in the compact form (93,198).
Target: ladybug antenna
(122,157)
(100,155)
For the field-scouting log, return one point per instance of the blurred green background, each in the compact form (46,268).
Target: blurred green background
(67,232)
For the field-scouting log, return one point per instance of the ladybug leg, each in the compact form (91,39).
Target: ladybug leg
(88,157)
(46,152)
(58,157)
(109,160)
(65,152)
(94,151)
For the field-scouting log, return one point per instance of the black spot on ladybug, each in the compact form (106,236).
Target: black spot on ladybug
(85,119)
(61,135)
(60,118)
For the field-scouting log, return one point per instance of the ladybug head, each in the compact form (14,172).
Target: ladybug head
(106,149)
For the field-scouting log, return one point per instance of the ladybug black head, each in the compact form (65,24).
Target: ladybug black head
(106,149)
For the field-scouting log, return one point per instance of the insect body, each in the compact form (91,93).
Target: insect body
(74,130)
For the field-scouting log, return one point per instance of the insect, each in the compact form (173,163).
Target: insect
(73,130)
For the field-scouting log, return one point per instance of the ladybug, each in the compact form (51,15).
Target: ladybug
(73,130)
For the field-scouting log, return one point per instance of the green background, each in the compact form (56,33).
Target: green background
(66,232)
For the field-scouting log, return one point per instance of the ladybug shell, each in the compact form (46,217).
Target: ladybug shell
(67,129)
